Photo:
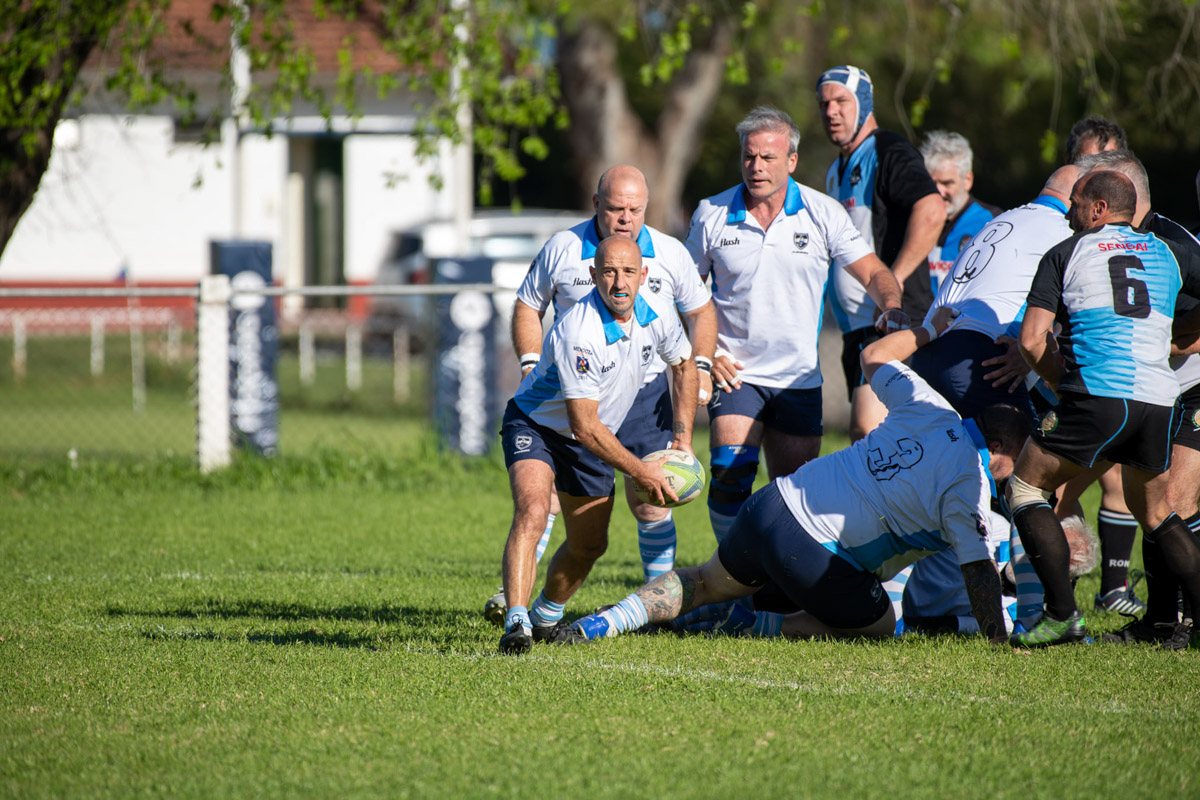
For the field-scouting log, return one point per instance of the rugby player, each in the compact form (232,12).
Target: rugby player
(826,535)
(767,244)
(881,180)
(558,432)
(559,276)
(1113,289)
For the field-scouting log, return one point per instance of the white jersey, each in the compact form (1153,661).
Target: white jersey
(590,355)
(915,485)
(935,587)
(768,285)
(560,274)
(990,278)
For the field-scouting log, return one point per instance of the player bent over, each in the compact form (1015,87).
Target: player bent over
(558,432)
(826,535)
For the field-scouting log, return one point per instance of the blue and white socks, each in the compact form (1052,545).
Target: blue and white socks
(545,612)
(656,543)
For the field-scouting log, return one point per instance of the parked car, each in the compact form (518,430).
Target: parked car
(510,237)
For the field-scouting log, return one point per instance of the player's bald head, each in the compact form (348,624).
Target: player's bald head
(1061,181)
(620,179)
(617,248)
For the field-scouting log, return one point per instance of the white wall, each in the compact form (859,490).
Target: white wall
(119,192)
(386,189)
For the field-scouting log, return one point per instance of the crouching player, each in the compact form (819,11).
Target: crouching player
(826,535)
(558,432)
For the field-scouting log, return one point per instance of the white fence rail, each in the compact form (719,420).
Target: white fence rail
(214,298)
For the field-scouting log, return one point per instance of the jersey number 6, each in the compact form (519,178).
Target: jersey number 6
(1131,298)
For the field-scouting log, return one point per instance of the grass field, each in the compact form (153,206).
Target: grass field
(311,627)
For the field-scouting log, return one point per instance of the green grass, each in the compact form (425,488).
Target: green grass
(311,627)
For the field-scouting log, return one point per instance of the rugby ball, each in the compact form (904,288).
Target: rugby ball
(684,472)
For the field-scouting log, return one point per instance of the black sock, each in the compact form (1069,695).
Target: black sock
(1179,555)
(1046,545)
(1162,590)
(1117,532)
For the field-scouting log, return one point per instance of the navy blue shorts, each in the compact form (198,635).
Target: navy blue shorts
(766,545)
(578,472)
(648,425)
(796,412)
(952,365)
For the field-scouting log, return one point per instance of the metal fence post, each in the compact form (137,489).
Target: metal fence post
(308,355)
(19,354)
(213,449)
(401,388)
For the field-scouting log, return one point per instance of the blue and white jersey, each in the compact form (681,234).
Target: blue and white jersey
(956,234)
(590,355)
(1113,289)
(768,285)
(560,274)
(990,279)
(935,587)
(915,485)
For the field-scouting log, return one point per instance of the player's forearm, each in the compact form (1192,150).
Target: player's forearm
(598,439)
(702,329)
(924,227)
(686,384)
(526,329)
(983,590)
(1037,346)
(884,289)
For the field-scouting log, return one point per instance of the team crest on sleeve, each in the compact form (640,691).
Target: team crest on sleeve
(646,351)
(655,284)
(800,240)
(980,527)
(582,366)
(523,443)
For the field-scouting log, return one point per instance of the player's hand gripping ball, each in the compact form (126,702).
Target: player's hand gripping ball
(684,473)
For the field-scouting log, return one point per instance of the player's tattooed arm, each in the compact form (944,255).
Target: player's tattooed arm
(983,590)
(669,595)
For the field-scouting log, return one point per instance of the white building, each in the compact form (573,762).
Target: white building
(139,198)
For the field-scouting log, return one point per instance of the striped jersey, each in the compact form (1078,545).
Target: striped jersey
(1113,290)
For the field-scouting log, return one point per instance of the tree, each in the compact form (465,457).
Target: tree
(656,83)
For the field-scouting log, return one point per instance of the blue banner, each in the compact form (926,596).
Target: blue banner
(253,345)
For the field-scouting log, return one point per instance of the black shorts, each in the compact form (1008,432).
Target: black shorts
(1087,430)
(766,545)
(1188,434)
(852,347)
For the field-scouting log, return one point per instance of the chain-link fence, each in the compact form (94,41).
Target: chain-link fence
(79,380)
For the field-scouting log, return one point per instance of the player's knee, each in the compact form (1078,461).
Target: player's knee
(732,470)
(1021,495)
(589,550)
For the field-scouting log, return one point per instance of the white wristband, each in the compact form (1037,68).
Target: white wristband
(928,328)
(530,360)
(704,364)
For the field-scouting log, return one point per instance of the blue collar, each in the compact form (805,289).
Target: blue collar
(613,331)
(980,443)
(1050,202)
(792,203)
(591,239)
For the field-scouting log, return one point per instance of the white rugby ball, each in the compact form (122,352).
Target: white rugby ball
(684,473)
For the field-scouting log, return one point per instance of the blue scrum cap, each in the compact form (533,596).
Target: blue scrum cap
(859,84)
